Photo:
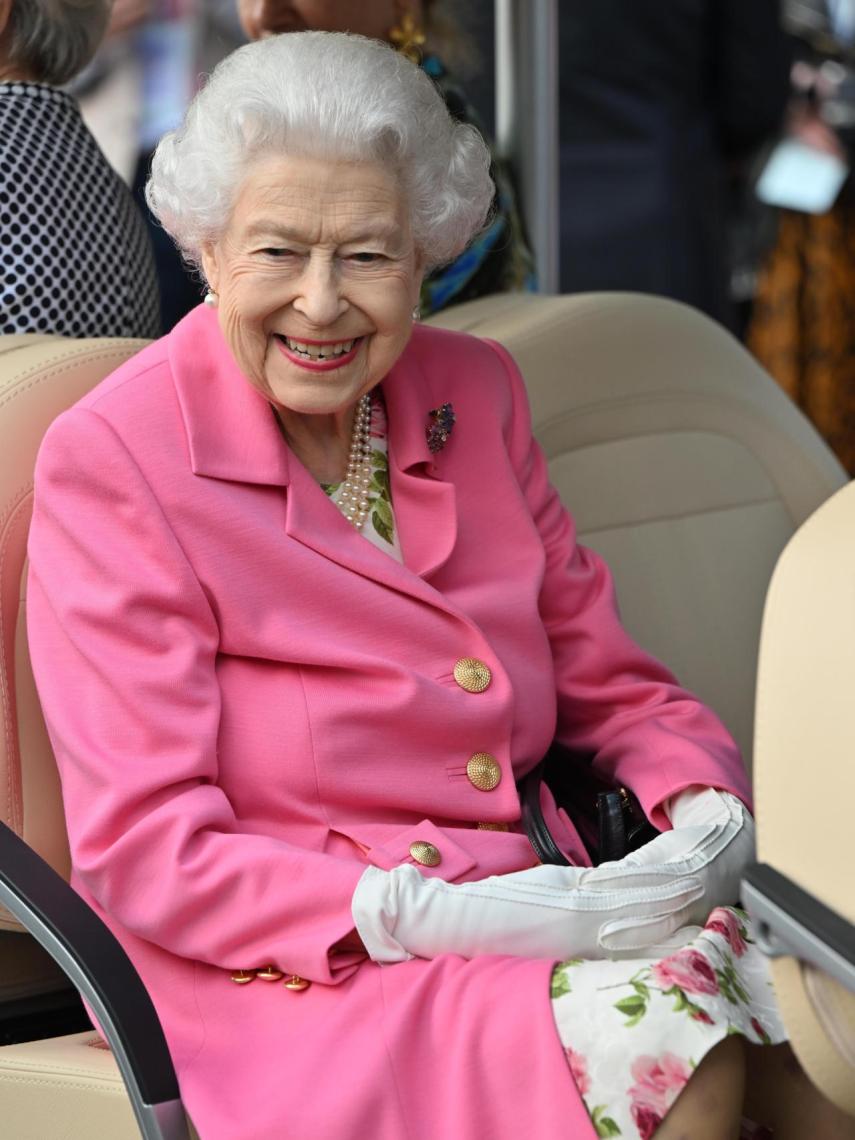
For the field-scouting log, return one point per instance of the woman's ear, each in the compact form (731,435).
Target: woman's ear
(418,276)
(210,261)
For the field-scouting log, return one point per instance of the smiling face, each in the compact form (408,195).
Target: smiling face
(317,277)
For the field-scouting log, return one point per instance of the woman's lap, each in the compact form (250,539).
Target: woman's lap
(470,1048)
(635,1030)
(449,1047)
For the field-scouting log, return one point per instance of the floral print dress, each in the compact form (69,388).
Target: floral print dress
(633,1030)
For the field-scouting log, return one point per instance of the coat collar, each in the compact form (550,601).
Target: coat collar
(423,500)
(232,435)
(231,431)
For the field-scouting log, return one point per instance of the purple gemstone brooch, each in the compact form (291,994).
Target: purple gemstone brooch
(440,424)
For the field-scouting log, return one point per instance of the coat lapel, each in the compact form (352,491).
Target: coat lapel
(425,504)
(232,435)
(231,430)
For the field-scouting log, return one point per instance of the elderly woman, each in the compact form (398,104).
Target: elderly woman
(498,259)
(303,605)
(74,255)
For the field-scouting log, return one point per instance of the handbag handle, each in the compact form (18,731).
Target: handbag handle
(610,820)
(539,835)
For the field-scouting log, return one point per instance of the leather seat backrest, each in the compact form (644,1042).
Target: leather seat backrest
(40,376)
(804,774)
(682,461)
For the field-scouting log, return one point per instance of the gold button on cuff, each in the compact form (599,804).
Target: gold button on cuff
(425,853)
(270,974)
(472,675)
(242,977)
(493,827)
(295,983)
(483,772)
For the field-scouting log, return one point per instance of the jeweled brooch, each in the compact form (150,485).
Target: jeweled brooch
(440,424)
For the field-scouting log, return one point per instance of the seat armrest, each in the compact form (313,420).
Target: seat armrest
(99,968)
(792,923)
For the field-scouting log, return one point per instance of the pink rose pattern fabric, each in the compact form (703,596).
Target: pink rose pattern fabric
(634,1030)
(658,1081)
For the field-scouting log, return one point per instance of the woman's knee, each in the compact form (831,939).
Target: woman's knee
(710,1106)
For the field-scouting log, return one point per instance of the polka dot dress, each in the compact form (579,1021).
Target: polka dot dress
(74,253)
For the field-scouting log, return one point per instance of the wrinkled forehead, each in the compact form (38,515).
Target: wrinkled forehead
(322,200)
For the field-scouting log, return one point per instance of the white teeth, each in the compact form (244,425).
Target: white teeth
(319,351)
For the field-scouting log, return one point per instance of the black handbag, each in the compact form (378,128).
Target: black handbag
(609,819)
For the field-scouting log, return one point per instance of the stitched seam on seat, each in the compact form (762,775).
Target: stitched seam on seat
(634,524)
(13,800)
(748,410)
(112,1087)
(36,374)
(56,1068)
(678,397)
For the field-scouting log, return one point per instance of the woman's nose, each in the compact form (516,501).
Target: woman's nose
(319,297)
(267,17)
(258,17)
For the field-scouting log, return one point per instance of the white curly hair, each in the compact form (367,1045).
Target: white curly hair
(326,95)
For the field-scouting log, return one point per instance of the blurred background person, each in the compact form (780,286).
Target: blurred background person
(74,254)
(138,88)
(178,43)
(803,328)
(662,106)
(498,260)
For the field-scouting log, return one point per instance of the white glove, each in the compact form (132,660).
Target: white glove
(711,842)
(542,912)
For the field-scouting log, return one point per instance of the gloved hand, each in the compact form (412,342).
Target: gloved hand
(542,912)
(711,842)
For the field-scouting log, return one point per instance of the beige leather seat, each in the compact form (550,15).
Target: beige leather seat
(804,779)
(29,978)
(683,463)
(68,1086)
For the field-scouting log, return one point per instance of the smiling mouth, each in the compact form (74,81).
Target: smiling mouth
(331,350)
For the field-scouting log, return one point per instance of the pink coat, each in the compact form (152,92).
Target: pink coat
(249,703)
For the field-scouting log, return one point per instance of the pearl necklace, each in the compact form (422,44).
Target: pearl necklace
(352,498)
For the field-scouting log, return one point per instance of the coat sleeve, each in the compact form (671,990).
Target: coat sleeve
(614,699)
(124,644)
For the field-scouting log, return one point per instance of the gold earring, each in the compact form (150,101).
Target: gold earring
(408,35)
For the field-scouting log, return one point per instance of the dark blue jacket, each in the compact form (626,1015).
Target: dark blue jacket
(660,102)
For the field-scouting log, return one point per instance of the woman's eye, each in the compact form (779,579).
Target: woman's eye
(277,252)
(364,257)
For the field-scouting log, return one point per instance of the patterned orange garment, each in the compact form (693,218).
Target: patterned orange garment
(803,327)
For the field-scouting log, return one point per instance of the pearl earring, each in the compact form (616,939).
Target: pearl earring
(417,313)
(211,299)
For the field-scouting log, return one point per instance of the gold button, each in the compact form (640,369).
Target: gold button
(241,977)
(483,772)
(472,675)
(295,983)
(270,974)
(489,827)
(425,853)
